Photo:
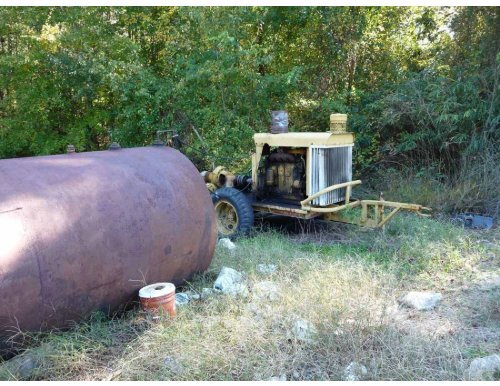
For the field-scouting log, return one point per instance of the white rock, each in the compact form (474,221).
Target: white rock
(181,299)
(483,369)
(282,377)
(172,365)
(192,295)
(266,268)
(266,290)
(303,330)
(20,367)
(422,301)
(355,372)
(231,282)
(227,243)
(207,292)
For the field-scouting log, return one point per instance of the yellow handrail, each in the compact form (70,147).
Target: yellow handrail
(329,189)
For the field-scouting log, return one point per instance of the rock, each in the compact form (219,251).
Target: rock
(227,243)
(355,372)
(20,367)
(282,377)
(422,301)
(172,365)
(265,290)
(231,282)
(181,299)
(207,292)
(303,330)
(484,369)
(193,295)
(266,268)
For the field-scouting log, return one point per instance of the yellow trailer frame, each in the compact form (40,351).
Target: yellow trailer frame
(376,207)
(373,213)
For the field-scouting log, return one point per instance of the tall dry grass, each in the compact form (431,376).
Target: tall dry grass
(474,187)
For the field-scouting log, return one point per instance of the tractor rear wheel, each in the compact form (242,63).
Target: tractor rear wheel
(234,212)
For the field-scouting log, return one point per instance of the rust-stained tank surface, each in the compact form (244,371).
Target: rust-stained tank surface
(84,231)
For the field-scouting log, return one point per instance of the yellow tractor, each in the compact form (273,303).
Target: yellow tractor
(301,175)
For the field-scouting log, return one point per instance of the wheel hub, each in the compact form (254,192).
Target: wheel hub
(227,217)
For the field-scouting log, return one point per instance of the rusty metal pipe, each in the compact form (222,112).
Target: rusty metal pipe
(84,231)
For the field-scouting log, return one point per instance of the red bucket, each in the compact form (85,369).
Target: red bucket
(159,297)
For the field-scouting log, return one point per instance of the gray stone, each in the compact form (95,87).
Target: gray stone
(231,282)
(172,365)
(422,301)
(181,299)
(227,243)
(266,268)
(303,330)
(484,369)
(208,292)
(193,295)
(355,372)
(20,367)
(266,290)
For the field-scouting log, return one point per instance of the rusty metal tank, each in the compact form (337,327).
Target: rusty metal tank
(84,231)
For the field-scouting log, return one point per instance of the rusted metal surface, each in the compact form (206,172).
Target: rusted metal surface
(338,123)
(279,122)
(84,231)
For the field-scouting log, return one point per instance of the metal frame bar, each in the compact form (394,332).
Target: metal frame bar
(332,213)
(329,189)
(285,211)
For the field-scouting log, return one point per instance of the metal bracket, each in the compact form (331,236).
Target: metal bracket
(171,140)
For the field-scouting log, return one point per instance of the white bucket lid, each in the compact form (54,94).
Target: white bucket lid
(156,290)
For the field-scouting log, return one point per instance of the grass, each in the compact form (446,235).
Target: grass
(346,288)
(471,187)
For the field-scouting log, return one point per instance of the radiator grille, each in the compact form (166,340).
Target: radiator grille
(330,166)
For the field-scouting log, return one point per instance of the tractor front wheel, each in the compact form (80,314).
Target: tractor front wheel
(234,212)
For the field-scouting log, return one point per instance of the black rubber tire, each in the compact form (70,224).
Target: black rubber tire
(243,208)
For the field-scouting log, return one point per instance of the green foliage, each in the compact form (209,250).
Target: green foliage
(420,83)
